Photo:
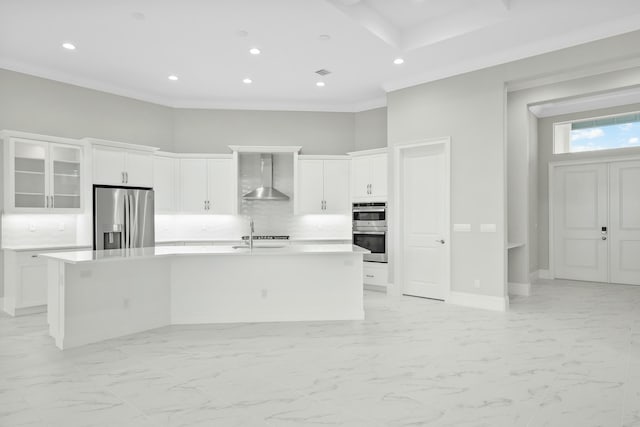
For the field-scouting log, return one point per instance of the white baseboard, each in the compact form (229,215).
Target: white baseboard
(544,274)
(520,289)
(478,301)
(533,276)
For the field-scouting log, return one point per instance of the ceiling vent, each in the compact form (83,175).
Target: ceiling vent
(323,72)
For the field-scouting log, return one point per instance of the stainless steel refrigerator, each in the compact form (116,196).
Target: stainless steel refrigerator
(122,217)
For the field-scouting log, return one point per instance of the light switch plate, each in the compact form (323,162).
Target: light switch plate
(462,227)
(488,228)
(32,226)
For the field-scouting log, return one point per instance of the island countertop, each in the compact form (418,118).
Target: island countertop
(85,256)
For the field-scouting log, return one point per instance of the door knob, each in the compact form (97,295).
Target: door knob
(440,241)
(604,237)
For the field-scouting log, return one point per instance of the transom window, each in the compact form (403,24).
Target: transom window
(600,133)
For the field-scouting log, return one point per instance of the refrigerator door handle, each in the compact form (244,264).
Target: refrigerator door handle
(133,220)
(127,222)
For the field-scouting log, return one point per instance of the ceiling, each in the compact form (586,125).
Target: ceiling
(130,47)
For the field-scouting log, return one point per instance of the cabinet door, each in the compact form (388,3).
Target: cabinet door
(164,182)
(108,166)
(379,176)
(139,169)
(220,186)
(30,168)
(360,177)
(193,185)
(65,185)
(336,193)
(310,186)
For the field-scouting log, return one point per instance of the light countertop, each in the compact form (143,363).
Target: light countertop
(45,248)
(84,256)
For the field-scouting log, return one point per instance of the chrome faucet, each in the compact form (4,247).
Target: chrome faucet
(251,229)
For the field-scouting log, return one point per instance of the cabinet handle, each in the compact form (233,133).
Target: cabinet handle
(34,256)
(52,203)
(46,201)
(126,176)
(122,174)
(369,275)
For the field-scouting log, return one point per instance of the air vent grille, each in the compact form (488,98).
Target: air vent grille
(323,72)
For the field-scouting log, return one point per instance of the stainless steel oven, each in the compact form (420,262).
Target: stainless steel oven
(370,229)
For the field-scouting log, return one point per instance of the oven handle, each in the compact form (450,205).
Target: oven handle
(370,232)
(369,209)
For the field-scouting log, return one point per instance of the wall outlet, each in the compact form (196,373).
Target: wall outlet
(125,302)
(204,227)
(464,228)
(265,293)
(61,226)
(32,226)
(488,228)
(476,283)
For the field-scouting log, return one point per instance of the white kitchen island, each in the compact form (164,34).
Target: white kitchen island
(97,295)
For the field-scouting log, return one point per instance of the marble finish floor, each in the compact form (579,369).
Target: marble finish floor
(568,356)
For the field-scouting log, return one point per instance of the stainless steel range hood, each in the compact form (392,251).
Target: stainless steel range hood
(266,190)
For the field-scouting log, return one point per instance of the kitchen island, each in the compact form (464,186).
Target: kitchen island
(98,295)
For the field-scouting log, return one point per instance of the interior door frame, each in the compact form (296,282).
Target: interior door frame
(552,170)
(397,255)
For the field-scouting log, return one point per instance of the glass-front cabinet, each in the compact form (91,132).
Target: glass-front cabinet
(42,175)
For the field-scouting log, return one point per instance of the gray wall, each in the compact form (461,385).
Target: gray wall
(212,131)
(468,108)
(371,129)
(37,105)
(545,152)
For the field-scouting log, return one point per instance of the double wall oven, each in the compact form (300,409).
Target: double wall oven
(370,229)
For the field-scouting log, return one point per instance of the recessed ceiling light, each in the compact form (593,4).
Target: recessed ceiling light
(254,51)
(69,46)
(247,81)
(242,33)
(172,77)
(324,37)
(139,16)
(398,61)
(320,84)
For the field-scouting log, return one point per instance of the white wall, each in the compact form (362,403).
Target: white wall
(212,131)
(468,108)
(370,129)
(37,105)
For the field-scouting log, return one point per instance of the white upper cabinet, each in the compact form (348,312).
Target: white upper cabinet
(206,185)
(323,185)
(369,175)
(114,165)
(165,182)
(42,174)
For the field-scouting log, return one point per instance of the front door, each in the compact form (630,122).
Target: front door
(580,205)
(624,238)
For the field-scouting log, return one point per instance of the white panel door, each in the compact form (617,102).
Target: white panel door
(220,185)
(624,234)
(379,176)
(336,189)
(164,183)
(310,190)
(424,222)
(139,169)
(580,203)
(108,166)
(361,177)
(193,185)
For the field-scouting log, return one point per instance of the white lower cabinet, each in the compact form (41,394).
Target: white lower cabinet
(376,273)
(25,281)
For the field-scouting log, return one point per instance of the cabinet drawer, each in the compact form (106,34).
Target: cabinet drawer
(29,258)
(377,274)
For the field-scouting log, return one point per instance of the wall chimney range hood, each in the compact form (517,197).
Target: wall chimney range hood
(266,190)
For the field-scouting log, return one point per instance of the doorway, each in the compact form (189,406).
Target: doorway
(422,200)
(595,221)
